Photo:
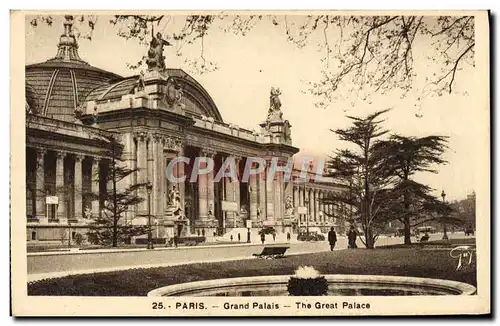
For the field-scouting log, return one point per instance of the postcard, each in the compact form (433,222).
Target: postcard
(251,163)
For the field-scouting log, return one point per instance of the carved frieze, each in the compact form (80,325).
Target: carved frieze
(172,144)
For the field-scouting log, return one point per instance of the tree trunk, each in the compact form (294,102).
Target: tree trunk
(370,243)
(407,230)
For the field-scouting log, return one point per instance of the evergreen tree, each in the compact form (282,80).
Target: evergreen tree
(364,170)
(108,228)
(406,156)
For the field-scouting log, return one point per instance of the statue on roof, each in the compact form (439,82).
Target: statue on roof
(274,113)
(140,85)
(156,59)
(287,134)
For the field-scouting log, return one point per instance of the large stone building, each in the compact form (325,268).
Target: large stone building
(73,109)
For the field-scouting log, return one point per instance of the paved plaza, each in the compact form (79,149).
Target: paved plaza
(58,264)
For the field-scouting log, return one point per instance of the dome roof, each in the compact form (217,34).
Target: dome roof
(196,98)
(56,87)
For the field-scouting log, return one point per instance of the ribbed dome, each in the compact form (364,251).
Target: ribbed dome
(59,85)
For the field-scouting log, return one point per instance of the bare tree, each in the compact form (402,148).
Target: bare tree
(361,55)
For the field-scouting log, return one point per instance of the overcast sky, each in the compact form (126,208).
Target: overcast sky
(250,65)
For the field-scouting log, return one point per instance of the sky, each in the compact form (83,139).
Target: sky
(250,65)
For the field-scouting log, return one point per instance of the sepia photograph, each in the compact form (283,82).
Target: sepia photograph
(250,163)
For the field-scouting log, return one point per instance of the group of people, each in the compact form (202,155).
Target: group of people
(351,238)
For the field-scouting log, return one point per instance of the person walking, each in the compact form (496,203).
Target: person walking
(332,238)
(351,237)
(239,237)
(175,241)
(288,237)
(262,237)
(231,238)
(274,237)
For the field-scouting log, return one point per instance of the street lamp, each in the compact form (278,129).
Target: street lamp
(445,235)
(249,212)
(306,202)
(149,189)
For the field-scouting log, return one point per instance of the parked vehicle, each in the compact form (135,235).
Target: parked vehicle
(312,236)
(188,241)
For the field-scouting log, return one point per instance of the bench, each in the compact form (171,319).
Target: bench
(272,252)
(424,238)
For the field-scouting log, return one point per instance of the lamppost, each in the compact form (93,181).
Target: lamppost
(69,234)
(306,202)
(249,212)
(445,235)
(149,188)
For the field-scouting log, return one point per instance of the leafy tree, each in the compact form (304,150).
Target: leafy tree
(107,229)
(466,210)
(364,169)
(360,54)
(406,156)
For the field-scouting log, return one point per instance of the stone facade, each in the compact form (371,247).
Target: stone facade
(158,116)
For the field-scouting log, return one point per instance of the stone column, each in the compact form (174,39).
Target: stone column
(150,147)
(278,196)
(156,156)
(129,157)
(310,209)
(269,194)
(162,176)
(95,186)
(142,166)
(330,211)
(321,207)
(254,195)
(165,181)
(296,197)
(316,203)
(203,191)
(262,195)
(301,201)
(210,187)
(180,170)
(236,185)
(60,191)
(228,196)
(78,187)
(40,191)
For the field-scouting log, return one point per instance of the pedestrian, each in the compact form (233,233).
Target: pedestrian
(202,232)
(288,236)
(175,241)
(351,237)
(239,237)
(332,238)
(231,238)
(262,237)
(274,236)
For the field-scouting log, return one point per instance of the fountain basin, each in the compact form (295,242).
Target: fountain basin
(338,285)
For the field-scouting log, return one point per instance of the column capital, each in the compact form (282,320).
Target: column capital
(41,151)
(79,157)
(140,135)
(208,152)
(158,137)
(40,154)
(97,159)
(61,154)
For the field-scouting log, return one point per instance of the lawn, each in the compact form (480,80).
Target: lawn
(417,262)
